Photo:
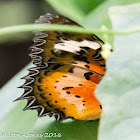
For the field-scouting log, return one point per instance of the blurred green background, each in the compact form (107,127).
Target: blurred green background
(14,50)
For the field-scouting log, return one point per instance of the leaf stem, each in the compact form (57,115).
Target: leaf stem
(55,27)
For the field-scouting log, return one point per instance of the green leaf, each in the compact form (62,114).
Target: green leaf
(120,87)
(96,17)
(75,9)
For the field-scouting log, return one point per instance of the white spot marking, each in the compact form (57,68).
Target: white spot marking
(74,46)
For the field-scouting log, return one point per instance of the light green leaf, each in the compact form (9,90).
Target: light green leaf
(75,9)
(96,17)
(119,90)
